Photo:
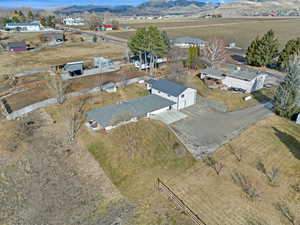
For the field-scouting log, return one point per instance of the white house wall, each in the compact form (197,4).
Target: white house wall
(158,111)
(298,119)
(258,83)
(238,83)
(189,98)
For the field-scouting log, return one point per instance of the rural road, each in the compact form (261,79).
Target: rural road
(205,130)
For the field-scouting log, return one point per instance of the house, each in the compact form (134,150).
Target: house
(58,37)
(74,68)
(143,61)
(182,96)
(186,42)
(23,26)
(106,27)
(16,46)
(128,111)
(249,80)
(73,21)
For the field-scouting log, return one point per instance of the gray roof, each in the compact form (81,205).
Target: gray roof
(189,40)
(235,72)
(109,115)
(16,44)
(22,24)
(168,87)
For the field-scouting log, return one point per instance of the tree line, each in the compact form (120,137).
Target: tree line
(264,51)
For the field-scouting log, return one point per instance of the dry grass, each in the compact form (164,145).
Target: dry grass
(242,33)
(17,62)
(218,200)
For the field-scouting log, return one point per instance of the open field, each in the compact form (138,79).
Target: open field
(242,32)
(43,59)
(218,199)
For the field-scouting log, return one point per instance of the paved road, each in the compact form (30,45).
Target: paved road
(205,130)
(103,37)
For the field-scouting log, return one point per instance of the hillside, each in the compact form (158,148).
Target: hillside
(154,7)
(260,8)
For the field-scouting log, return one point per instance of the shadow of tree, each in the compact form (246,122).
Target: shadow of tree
(291,143)
(261,97)
(238,58)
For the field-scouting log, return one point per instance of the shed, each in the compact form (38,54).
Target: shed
(53,37)
(129,111)
(74,68)
(16,46)
(109,87)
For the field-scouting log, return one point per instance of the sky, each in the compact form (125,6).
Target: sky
(40,4)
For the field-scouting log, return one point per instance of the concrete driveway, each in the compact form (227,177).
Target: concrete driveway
(204,130)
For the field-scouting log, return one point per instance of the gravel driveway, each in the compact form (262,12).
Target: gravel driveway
(205,130)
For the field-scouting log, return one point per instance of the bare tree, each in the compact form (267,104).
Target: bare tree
(57,86)
(215,52)
(246,184)
(93,21)
(283,208)
(210,161)
(74,118)
(238,154)
(272,175)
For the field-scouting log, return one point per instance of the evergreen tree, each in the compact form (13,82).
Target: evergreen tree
(43,21)
(30,15)
(193,54)
(286,96)
(291,49)
(148,40)
(262,51)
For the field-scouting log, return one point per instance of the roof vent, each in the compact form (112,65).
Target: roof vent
(238,68)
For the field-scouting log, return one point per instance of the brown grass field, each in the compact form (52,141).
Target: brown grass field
(242,31)
(43,59)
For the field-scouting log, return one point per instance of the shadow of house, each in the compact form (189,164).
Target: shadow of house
(238,58)
(291,143)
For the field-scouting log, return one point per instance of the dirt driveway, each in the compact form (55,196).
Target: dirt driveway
(204,130)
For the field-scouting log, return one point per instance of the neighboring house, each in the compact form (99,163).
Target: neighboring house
(106,27)
(182,96)
(58,37)
(186,42)
(23,26)
(249,80)
(73,21)
(128,111)
(17,46)
(143,61)
(74,68)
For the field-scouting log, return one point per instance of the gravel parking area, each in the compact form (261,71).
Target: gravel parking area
(205,130)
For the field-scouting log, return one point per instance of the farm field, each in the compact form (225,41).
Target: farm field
(44,59)
(242,32)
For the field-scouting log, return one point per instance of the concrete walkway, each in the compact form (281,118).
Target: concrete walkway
(169,117)
(205,130)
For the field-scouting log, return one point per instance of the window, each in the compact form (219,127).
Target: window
(158,91)
(169,96)
(182,96)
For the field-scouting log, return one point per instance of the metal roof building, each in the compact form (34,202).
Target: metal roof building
(167,87)
(112,115)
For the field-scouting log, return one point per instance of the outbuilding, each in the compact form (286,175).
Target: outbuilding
(16,46)
(58,37)
(186,42)
(182,96)
(128,111)
(249,80)
(23,26)
(298,119)
(74,68)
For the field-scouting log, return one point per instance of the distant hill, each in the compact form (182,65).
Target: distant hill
(153,7)
(260,8)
